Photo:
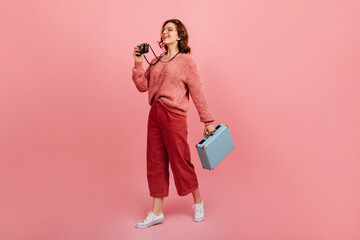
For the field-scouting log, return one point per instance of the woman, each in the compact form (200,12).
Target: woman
(169,82)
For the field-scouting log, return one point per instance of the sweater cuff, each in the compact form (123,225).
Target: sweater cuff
(138,64)
(209,123)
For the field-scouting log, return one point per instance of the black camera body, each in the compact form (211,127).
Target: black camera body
(144,48)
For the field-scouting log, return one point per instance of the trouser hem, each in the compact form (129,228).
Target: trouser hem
(188,192)
(158,195)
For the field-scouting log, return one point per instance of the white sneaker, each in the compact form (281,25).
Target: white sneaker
(199,213)
(150,220)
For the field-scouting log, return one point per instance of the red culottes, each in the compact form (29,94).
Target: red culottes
(167,143)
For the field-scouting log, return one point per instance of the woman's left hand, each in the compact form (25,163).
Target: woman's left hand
(209,129)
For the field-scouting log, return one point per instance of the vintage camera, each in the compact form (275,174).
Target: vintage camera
(144,48)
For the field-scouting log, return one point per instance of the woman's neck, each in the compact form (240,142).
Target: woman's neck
(172,52)
(171,56)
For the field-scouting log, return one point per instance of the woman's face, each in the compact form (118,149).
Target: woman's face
(169,34)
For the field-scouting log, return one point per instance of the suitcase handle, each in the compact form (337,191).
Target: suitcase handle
(207,136)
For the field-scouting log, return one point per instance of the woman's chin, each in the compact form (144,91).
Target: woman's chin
(168,43)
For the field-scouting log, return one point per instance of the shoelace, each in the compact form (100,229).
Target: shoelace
(149,216)
(198,208)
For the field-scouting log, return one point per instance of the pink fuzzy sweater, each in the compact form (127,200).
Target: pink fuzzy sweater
(170,83)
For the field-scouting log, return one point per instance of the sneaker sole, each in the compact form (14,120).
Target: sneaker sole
(151,224)
(199,219)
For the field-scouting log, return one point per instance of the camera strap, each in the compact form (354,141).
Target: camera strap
(158,58)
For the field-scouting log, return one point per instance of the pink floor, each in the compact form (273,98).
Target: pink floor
(259,196)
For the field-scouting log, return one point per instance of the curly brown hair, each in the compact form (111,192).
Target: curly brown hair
(182,33)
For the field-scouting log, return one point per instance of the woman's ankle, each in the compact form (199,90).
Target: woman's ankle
(157,213)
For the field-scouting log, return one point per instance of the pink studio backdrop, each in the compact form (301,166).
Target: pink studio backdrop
(284,75)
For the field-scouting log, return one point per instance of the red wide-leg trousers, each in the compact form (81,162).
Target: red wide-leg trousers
(167,143)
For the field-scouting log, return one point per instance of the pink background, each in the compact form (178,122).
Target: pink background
(284,75)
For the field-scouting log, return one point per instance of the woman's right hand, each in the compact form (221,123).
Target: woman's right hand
(136,51)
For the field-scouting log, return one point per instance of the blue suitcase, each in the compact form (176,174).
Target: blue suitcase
(214,148)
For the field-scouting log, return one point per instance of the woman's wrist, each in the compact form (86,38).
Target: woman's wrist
(209,123)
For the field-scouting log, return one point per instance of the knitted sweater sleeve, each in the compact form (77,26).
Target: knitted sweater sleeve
(141,77)
(197,93)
